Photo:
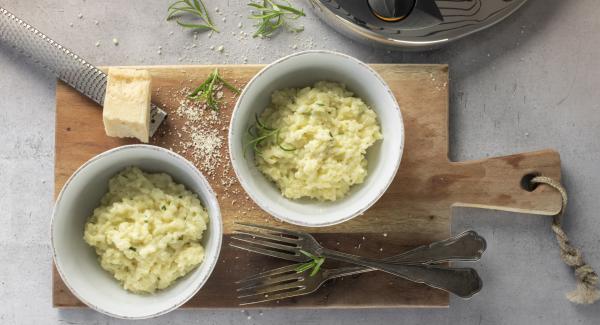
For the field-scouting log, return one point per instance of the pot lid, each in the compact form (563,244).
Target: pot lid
(413,23)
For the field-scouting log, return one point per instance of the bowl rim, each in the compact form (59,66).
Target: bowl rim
(382,190)
(203,181)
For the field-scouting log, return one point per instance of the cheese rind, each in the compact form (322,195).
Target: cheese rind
(127,104)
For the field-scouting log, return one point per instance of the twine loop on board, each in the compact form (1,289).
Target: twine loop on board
(586,291)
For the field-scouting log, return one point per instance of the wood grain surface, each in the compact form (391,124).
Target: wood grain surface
(415,210)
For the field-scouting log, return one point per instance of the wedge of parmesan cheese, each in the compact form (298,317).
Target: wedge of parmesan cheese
(126,111)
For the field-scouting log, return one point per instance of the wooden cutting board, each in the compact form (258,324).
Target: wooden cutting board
(415,210)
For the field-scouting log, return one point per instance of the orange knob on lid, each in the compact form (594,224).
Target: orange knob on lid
(391,10)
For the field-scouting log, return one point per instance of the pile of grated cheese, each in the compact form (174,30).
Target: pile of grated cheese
(204,126)
(206,146)
(201,134)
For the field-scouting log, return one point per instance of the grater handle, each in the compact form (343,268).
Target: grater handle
(66,65)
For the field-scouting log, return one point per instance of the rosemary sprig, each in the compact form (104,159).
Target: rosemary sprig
(195,8)
(315,264)
(259,132)
(271,16)
(206,91)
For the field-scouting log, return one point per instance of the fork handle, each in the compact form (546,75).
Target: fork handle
(463,282)
(466,246)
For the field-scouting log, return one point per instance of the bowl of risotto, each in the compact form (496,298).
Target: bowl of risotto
(316,138)
(136,232)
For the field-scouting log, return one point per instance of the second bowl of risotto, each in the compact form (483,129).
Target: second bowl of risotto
(316,138)
(136,232)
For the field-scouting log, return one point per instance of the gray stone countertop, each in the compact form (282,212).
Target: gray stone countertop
(529,83)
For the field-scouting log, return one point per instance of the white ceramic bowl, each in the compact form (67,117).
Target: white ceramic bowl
(300,70)
(77,262)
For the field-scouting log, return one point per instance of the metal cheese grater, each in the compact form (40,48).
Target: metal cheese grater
(412,24)
(66,65)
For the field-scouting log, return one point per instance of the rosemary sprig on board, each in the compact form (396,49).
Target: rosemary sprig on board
(271,16)
(315,264)
(259,132)
(195,8)
(206,91)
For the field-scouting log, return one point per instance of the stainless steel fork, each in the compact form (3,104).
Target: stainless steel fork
(286,282)
(287,244)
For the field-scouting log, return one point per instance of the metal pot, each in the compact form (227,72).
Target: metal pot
(412,24)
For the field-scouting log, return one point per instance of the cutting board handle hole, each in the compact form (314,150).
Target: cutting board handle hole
(526,183)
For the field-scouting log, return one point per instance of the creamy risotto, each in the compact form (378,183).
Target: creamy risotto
(319,149)
(147,230)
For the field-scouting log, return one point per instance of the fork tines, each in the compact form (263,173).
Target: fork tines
(269,241)
(276,284)
(280,283)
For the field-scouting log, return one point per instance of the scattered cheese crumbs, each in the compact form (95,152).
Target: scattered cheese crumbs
(240,25)
(96,22)
(385,234)
(80,16)
(115,41)
(212,47)
(70,24)
(97,43)
(220,48)
(224,19)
